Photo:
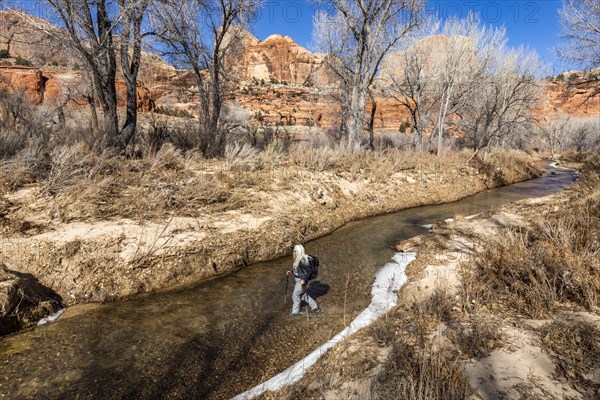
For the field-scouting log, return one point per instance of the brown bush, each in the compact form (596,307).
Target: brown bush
(575,346)
(555,262)
(421,373)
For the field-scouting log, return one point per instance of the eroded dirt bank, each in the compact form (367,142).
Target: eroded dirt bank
(267,207)
(503,305)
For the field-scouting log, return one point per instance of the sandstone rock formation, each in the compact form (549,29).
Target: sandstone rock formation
(580,100)
(33,39)
(276,59)
(61,88)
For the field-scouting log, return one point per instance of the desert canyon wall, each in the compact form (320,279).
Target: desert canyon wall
(277,80)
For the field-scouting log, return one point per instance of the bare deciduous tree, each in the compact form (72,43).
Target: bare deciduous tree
(132,16)
(409,79)
(580,23)
(357,35)
(198,34)
(501,107)
(89,30)
(566,131)
(467,78)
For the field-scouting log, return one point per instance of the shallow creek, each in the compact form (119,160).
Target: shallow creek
(221,337)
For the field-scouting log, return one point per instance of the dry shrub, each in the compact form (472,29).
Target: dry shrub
(168,157)
(555,262)
(440,305)
(28,166)
(274,151)
(476,340)
(240,152)
(420,373)
(419,366)
(200,192)
(11,142)
(69,165)
(576,350)
(313,158)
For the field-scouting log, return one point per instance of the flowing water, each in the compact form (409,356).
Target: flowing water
(223,336)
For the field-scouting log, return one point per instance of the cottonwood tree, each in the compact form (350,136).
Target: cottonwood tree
(580,25)
(408,77)
(466,78)
(494,90)
(358,34)
(91,26)
(566,131)
(501,108)
(90,31)
(199,34)
(132,14)
(460,67)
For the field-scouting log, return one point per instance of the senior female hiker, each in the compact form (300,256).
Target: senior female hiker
(303,270)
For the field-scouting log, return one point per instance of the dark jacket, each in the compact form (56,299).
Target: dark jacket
(303,270)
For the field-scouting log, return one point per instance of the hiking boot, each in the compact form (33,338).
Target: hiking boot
(294,314)
(316,310)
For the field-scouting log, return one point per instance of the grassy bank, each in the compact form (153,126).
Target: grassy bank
(96,227)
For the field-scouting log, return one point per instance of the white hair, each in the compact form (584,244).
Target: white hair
(299,254)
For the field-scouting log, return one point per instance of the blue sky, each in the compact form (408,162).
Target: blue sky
(530,23)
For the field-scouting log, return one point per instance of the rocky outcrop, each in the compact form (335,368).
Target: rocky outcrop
(276,59)
(23,300)
(277,80)
(63,88)
(577,99)
(33,39)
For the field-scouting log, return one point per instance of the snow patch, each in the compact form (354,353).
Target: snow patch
(51,317)
(388,280)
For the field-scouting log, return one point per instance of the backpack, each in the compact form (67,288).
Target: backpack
(313,267)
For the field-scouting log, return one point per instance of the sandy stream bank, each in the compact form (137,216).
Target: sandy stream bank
(102,260)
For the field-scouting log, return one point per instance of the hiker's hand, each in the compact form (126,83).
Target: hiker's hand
(302,282)
(288,272)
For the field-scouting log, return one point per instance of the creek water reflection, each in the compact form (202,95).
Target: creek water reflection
(223,336)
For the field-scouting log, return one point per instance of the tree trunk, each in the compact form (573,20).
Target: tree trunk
(372,121)
(130,64)
(443,112)
(357,116)
(94,116)
(111,123)
(128,131)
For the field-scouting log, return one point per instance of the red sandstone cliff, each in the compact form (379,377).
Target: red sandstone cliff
(276,79)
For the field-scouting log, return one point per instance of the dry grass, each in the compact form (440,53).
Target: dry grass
(575,348)
(419,366)
(81,183)
(421,373)
(28,166)
(554,263)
